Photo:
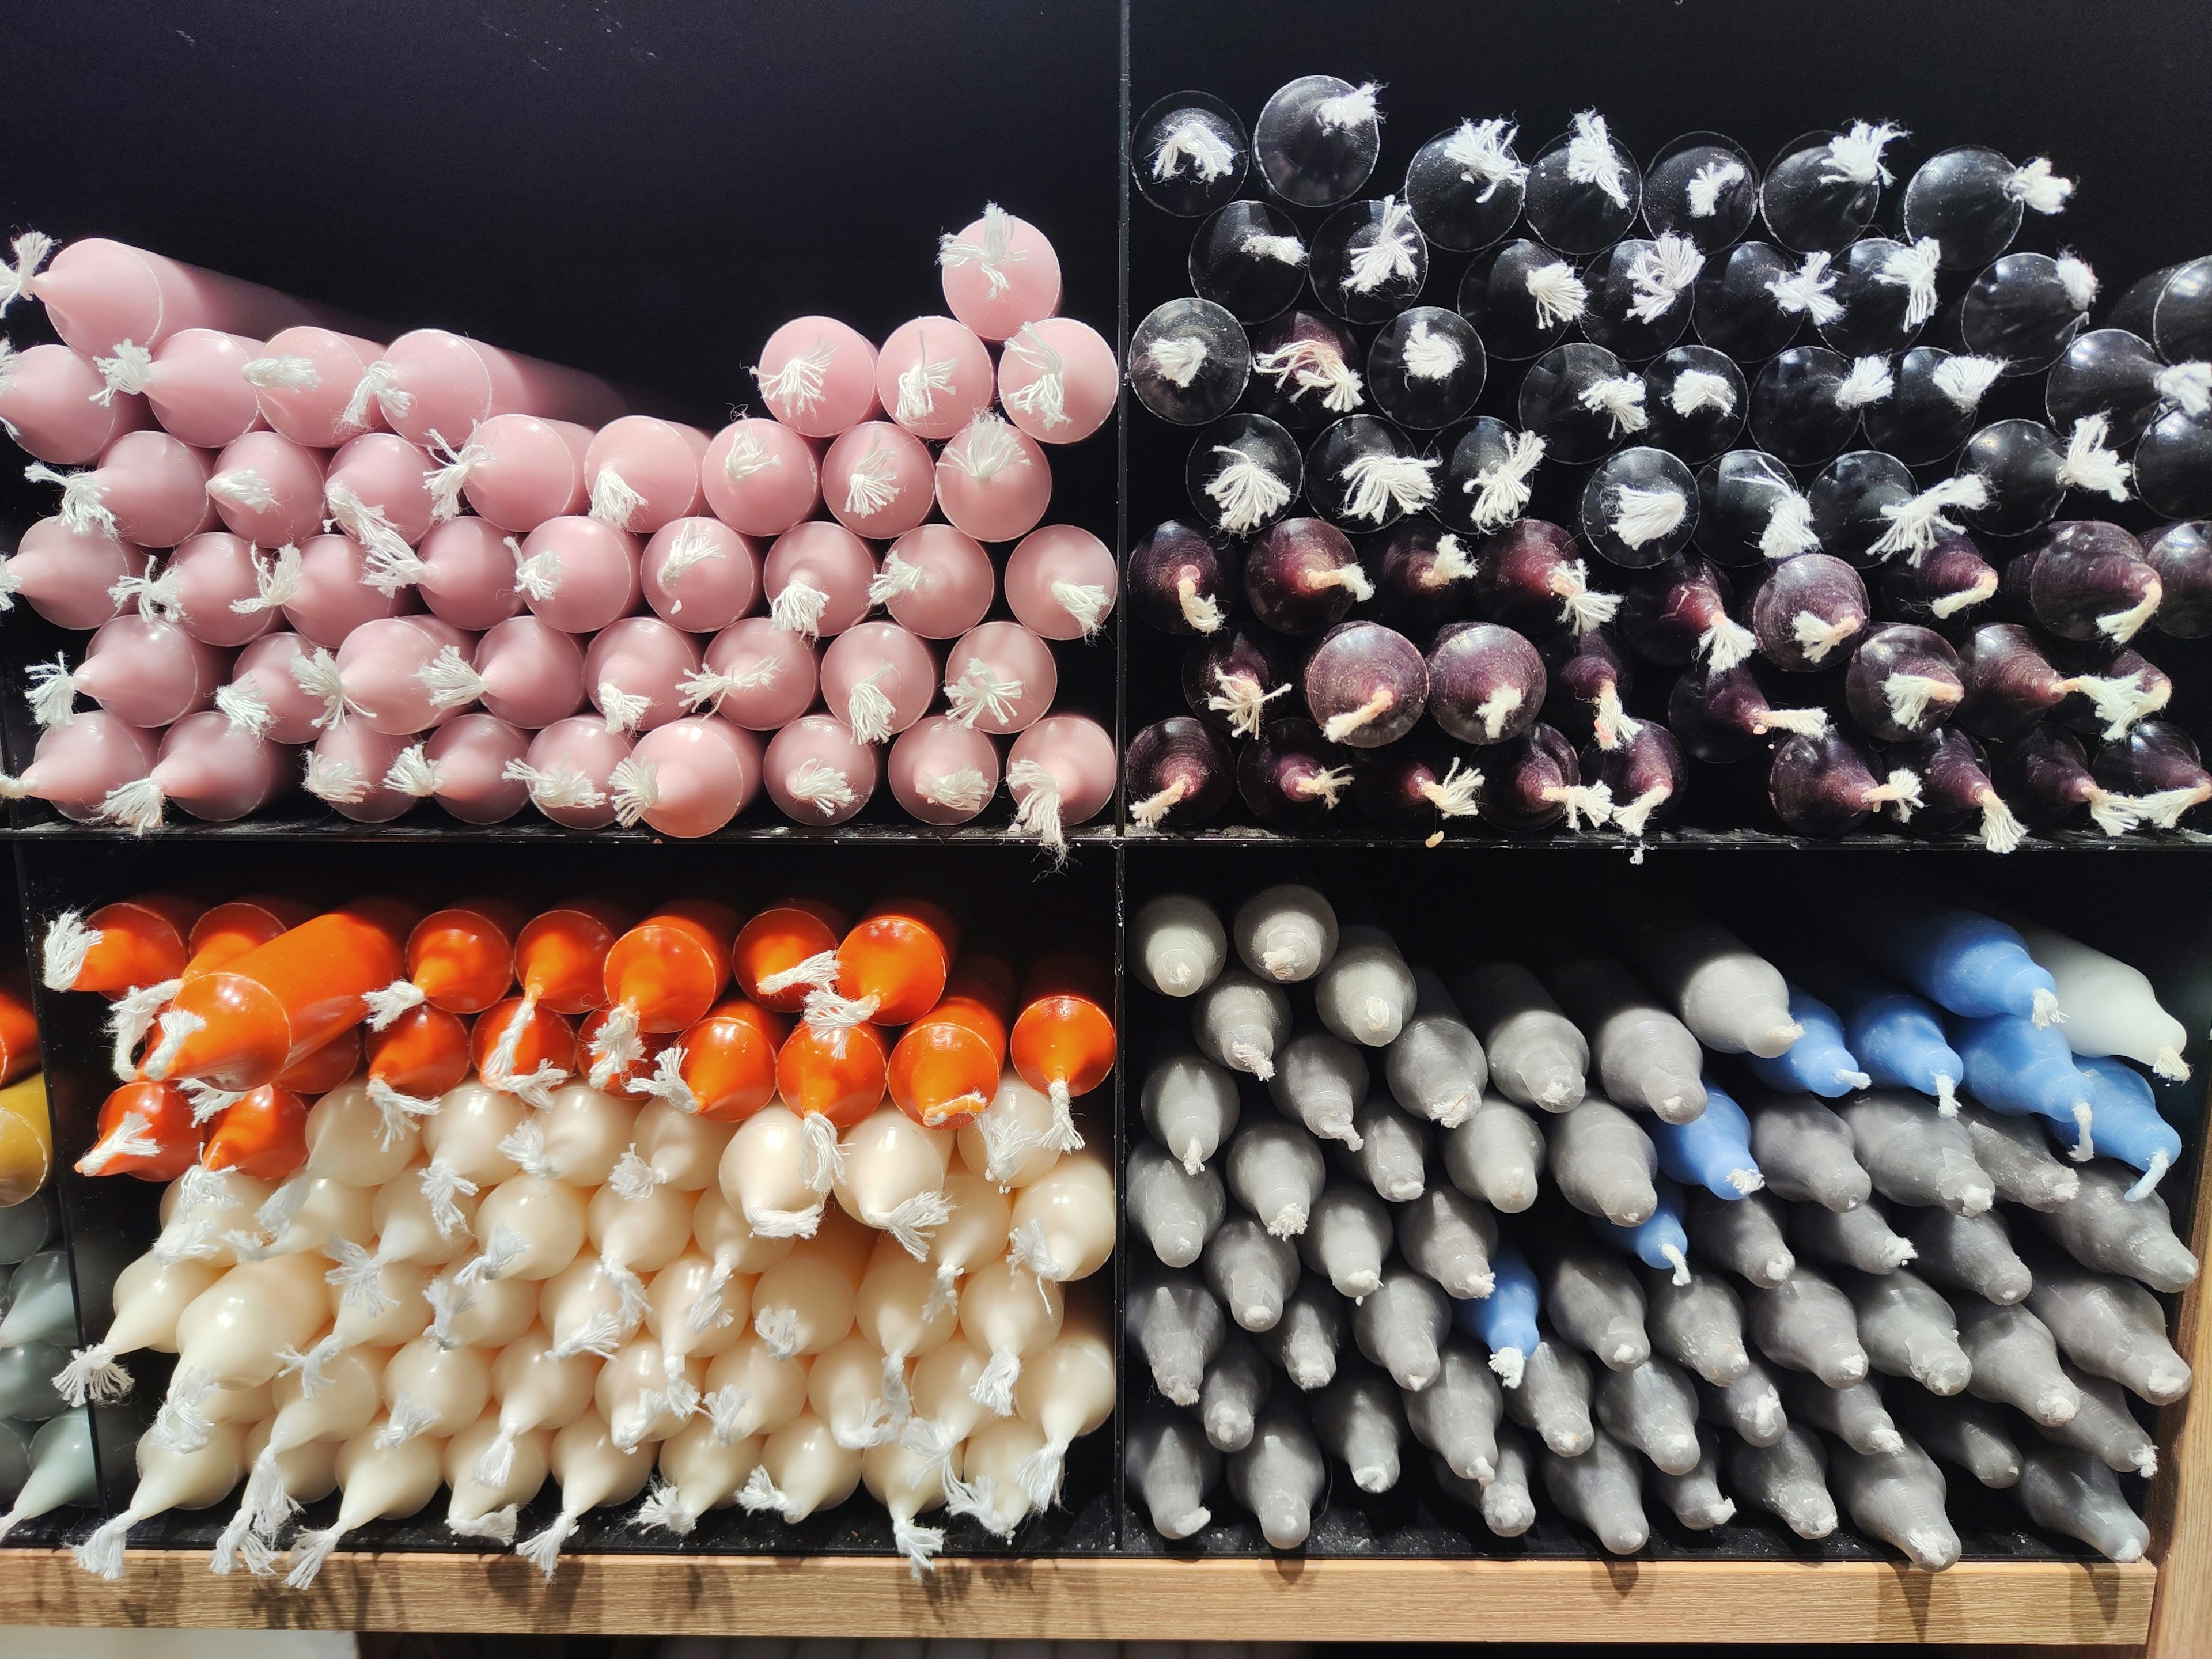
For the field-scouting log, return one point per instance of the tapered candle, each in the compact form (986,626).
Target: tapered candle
(755,674)
(268,488)
(817,772)
(66,575)
(945,1069)
(325,595)
(878,679)
(465,572)
(570,771)
(689,778)
(98,292)
(933,376)
(263,1134)
(699,574)
(383,672)
(143,671)
(146,487)
(786,950)
(376,1480)
(817,577)
(642,473)
(1061,773)
(197,1479)
(993,481)
(942,771)
(1061,582)
(878,480)
(465,768)
(527,672)
(208,768)
(145,1129)
(760,477)
(431,383)
(937,581)
(999,273)
(376,491)
(890,1177)
(999,679)
(74,766)
(2111,1007)
(51,399)
(635,667)
(817,376)
(305,380)
(194,382)
(200,587)
(1057,379)
(577,573)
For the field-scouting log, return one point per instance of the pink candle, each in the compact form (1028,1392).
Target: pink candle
(936,581)
(636,668)
(570,770)
(325,594)
(431,385)
(689,778)
(942,772)
(817,772)
(993,481)
(760,477)
(817,376)
(527,672)
(1061,582)
(999,679)
(878,480)
(349,769)
(1057,379)
(816,576)
(1059,773)
(47,404)
(304,380)
(206,581)
(999,273)
(265,698)
(464,767)
(148,487)
(138,668)
(376,491)
(878,679)
(699,574)
(195,382)
(76,765)
(384,668)
(642,471)
(65,574)
(755,676)
(577,573)
(467,573)
(98,293)
(209,767)
(934,376)
(268,490)
(518,471)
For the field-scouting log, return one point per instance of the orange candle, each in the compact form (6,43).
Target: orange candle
(262,1133)
(322,1069)
(788,949)
(561,954)
(413,1060)
(661,976)
(1063,1041)
(229,931)
(146,1129)
(725,1066)
(832,1079)
(522,1050)
(946,1068)
(891,967)
(649,1049)
(460,959)
(19,1027)
(121,946)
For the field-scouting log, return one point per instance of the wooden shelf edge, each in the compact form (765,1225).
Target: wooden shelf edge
(1289,1599)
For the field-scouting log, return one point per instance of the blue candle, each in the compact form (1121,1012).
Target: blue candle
(2124,1113)
(1972,964)
(2015,1065)
(1505,1322)
(1712,1149)
(1898,1039)
(1658,1241)
(1820,1062)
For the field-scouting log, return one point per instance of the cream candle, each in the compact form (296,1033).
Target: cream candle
(195,384)
(643,472)
(517,470)
(304,381)
(431,384)
(324,594)
(147,488)
(942,772)
(570,768)
(52,404)
(999,273)
(65,574)
(74,766)
(878,679)
(817,376)
(817,577)
(933,376)
(1061,582)
(817,772)
(268,488)
(689,777)
(578,574)
(999,679)
(756,675)
(465,572)
(760,477)
(1057,379)
(878,480)
(936,581)
(204,584)
(699,574)
(993,481)
(1059,772)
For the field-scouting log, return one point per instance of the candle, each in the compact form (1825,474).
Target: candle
(527,672)
(699,574)
(194,383)
(1063,1042)
(993,481)
(1057,379)
(268,488)
(377,1477)
(889,1173)
(802,1469)
(643,472)
(817,376)
(760,477)
(1009,1314)
(933,376)
(517,470)
(941,771)
(635,667)
(74,766)
(878,679)
(817,772)
(570,770)
(147,488)
(66,575)
(689,777)
(878,480)
(145,671)
(946,1067)
(756,675)
(817,578)
(431,384)
(999,273)
(465,572)
(937,581)
(724,1065)
(168,1480)
(999,679)
(304,381)
(377,492)
(383,672)
(213,770)
(1060,772)
(577,573)
(1010,1144)
(324,593)
(1061,582)
(787,948)
(200,587)
(52,404)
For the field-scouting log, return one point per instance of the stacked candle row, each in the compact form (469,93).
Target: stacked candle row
(42,1442)
(461,1265)
(1488,1084)
(461,571)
